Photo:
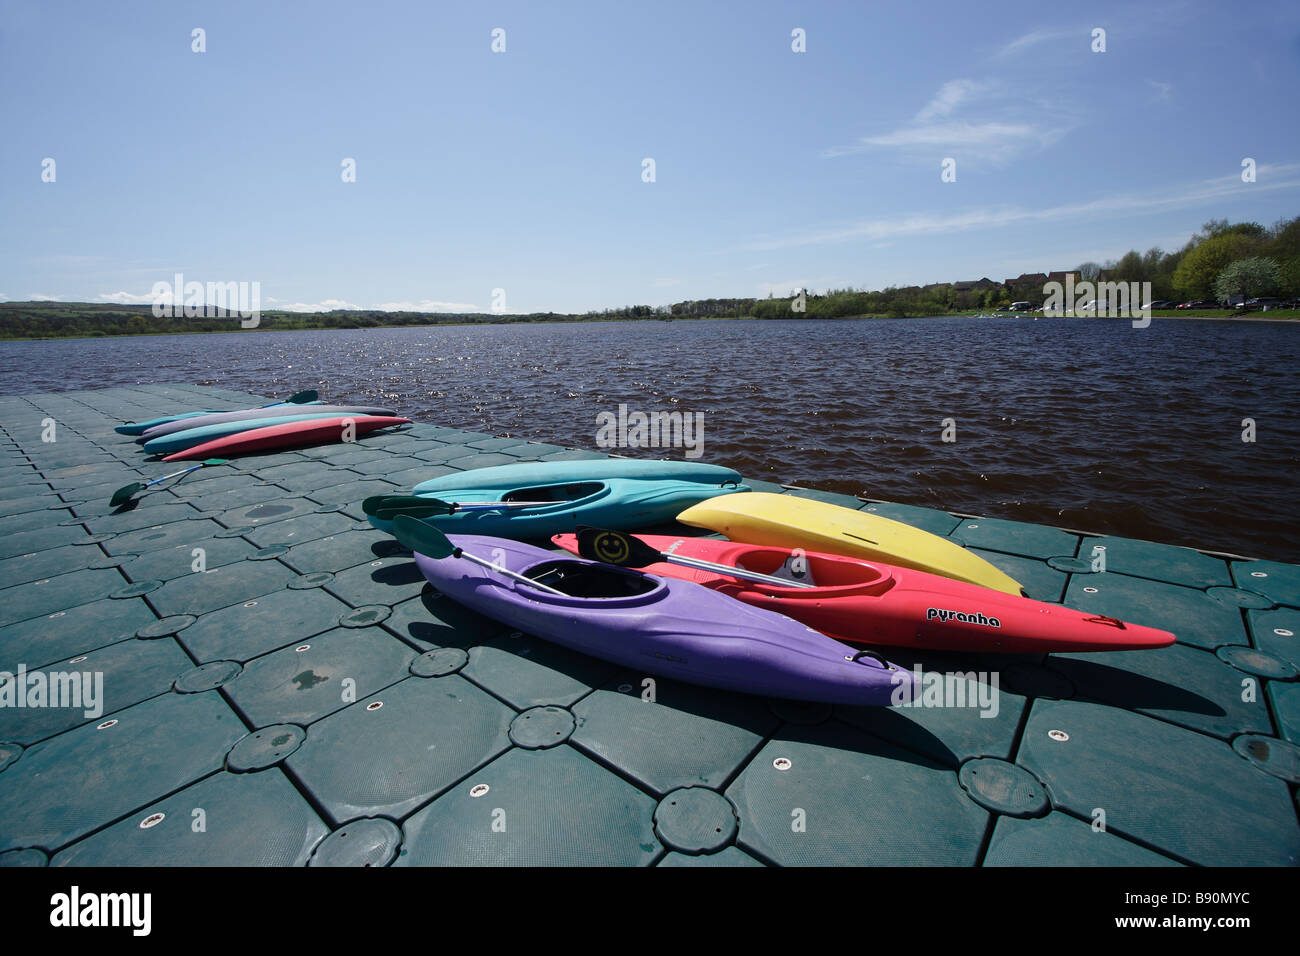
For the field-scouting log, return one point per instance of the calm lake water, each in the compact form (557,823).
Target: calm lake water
(1087,424)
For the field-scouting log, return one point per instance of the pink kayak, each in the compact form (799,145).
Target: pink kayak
(316,431)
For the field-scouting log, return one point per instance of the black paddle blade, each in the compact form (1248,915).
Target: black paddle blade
(376,503)
(421,538)
(386,507)
(125,493)
(372,504)
(614,547)
(302,397)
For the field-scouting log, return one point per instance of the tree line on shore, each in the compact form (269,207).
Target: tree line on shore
(1222,260)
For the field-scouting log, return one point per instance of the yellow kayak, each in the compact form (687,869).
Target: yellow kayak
(784,521)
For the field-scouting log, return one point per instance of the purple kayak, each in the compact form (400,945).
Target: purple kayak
(672,628)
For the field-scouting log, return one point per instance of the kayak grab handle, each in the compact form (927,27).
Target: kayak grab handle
(1103,619)
(874,656)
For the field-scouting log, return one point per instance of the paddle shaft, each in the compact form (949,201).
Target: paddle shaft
(430,507)
(702,565)
(298,398)
(174,474)
(496,505)
(482,562)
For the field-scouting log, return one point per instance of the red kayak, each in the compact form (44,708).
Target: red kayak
(868,603)
(315,431)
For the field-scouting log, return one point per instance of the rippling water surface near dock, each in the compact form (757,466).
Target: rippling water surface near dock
(1088,424)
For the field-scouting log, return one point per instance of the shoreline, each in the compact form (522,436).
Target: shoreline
(1294,316)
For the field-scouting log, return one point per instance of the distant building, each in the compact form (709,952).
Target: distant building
(1027,278)
(974,285)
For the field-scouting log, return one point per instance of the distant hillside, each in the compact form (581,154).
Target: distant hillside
(36,320)
(1187,273)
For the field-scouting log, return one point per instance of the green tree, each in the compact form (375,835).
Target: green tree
(1128,269)
(1221,227)
(1283,247)
(1201,265)
(1246,278)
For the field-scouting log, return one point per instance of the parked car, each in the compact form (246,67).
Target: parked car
(1021,306)
(1199,304)
(1161,304)
(1263,302)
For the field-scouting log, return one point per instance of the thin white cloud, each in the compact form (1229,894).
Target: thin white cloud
(424,305)
(1033,38)
(994,141)
(950,96)
(44,298)
(1162,90)
(1270,178)
(130,298)
(783,289)
(786,288)
(325,305)
(997,127)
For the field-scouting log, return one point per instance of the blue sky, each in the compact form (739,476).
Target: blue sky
(522,170)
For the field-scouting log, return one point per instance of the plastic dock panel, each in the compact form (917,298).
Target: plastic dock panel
(281,687)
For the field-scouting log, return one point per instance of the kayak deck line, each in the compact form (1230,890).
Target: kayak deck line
(201,603)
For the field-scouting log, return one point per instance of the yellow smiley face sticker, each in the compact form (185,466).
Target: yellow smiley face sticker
(611,548)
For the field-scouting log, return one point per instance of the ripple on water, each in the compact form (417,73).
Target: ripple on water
(1090,424)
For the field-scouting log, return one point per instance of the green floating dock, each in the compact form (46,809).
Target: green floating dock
(281,687)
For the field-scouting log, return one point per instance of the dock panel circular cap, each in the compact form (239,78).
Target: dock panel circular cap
(695,820)
(1275,757)
(207,677)
(265,747)
(27,857)
(373,841)
(1003,787)
(540,728)
(439,662)
(1259,663)
(9,752)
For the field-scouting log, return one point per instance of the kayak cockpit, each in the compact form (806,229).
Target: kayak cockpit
(581,579)
(821,571)
(573,491)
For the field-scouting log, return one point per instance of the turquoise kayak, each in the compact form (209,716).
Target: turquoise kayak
(189,437)
(138,428)
(617,493)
